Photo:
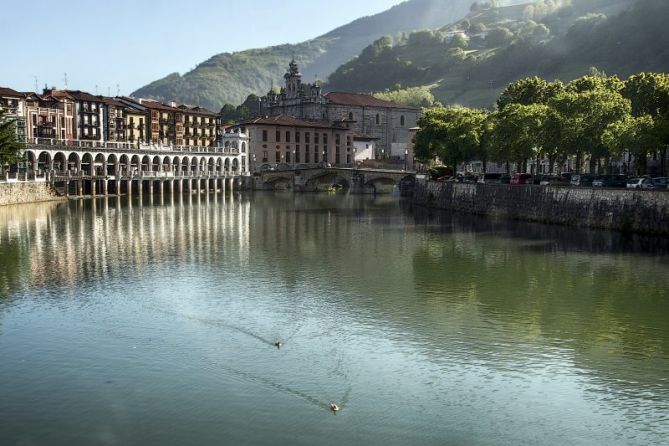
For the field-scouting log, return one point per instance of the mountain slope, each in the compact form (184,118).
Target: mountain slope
(504,44)
(231,77)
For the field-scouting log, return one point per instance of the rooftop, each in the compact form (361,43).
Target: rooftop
(362,100)
(289,121)
(4,91)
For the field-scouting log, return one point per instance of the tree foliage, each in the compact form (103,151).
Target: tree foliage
(10,147)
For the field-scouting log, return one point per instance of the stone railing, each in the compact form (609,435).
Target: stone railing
(78,144)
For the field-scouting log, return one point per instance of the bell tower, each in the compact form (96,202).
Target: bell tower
(293,79)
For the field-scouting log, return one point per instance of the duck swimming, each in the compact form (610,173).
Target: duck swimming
(334,407)
(278,344)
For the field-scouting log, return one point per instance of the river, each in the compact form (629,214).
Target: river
(153,322)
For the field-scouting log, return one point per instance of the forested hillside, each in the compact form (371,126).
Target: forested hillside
(231,77)
(471,61)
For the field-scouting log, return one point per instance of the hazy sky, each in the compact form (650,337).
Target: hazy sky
(133,42)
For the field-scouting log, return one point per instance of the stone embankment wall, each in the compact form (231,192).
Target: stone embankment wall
(614,209)
(27,192)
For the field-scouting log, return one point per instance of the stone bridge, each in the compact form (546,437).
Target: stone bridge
(320,179)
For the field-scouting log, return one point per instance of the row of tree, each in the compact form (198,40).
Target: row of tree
(594,118)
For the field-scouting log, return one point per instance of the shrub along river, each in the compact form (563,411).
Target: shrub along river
(153,323)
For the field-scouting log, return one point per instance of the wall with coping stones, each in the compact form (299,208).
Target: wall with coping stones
(614,209)
(26,192)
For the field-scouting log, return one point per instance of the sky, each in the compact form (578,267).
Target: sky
(129,43)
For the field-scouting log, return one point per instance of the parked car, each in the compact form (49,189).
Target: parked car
(661,182)
(505,179)
(610,181)
(640,183)
(553,180)
(494,178)
(582,180)
(521,178)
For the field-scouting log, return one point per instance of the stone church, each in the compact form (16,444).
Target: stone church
(366,116)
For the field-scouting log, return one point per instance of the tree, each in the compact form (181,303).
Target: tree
(649,95)
(452,134)
(10,147)
(638,135)
(584,116)
(532,90)
(412,96)
(518,133)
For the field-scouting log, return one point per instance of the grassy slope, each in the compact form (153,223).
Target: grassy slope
(623,43)
(231,77)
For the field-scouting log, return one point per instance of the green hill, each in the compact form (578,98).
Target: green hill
(231,77)
(470,61)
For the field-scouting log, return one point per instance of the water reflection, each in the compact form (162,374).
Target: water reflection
(534,331)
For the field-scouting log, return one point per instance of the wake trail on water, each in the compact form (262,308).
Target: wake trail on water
(245,376)
(223,324)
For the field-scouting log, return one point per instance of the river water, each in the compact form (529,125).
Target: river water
(153,322)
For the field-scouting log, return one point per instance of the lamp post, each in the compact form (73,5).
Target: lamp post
(293,159)
(253,158)
(406,154)
(354,153)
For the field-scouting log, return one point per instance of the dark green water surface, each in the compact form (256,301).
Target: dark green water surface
(152,323)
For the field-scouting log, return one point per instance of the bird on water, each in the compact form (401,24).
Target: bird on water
(278,344)
(334,408)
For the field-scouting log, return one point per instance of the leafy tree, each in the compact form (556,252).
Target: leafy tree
(452,134)
(10,147)
(532,90)
(584,116)
(637,135)
(518,134)
(412,96)
(498,37)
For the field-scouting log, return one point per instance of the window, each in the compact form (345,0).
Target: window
(264,135)
(306,155)
(277,157)
(287,136)
(325,139)
(316,138)
(378,119)
(297,137)
(264,156)
(350,116)
(337,139)
(288,156)
(307,137)
(243,147)
(402,120)
(278,136)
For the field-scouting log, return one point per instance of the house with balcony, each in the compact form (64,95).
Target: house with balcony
(13,104)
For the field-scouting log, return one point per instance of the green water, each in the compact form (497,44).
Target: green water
(152,323)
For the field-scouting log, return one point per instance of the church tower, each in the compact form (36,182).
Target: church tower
(293,77)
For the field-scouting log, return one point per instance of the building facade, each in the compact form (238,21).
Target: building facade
(13,104)
(288,141)
(386,121)
(51,115)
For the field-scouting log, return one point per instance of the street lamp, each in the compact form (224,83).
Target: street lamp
(406,154)
(293,158)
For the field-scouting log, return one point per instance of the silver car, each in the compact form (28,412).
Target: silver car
(640,183)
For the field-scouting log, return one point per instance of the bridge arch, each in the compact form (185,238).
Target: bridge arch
(112,165)
(60,161)
(100,165)
(73,162)
(44,162)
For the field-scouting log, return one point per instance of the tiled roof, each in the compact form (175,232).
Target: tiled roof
(289,121)
(362,100)
(83,96)
(4,91)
